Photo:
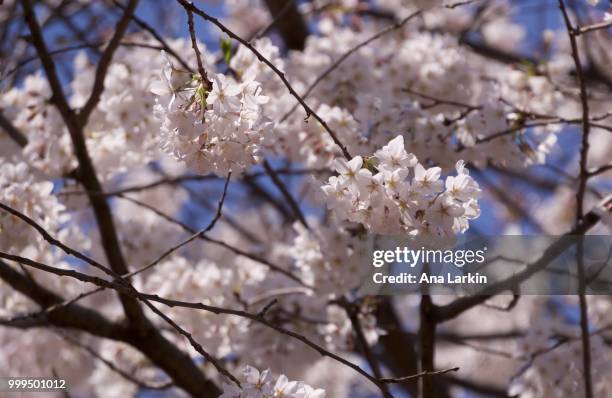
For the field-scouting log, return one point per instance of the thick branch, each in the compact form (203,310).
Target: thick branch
(398,347)
(12,131)
(289,22)
(148,298)
(352,311)
(73,316)
(87,173)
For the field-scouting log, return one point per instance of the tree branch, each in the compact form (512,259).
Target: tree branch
(203,236)
(73,316)
(12,131)
(582,183)
(86,171)
(148,298)
(419,375)
(289,22)
(352,311)
(286,194)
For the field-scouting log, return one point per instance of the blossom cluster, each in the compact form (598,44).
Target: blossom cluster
(22,192)
(392,193)
(121,132)
(217,131)
(49,148)
(258,384)
(449,104)
(324,259)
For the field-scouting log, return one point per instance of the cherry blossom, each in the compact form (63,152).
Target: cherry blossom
(261,385)
(402,196)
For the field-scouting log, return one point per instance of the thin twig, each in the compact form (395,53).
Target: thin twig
(286,194)
(235,250)
(450,311)
(127,376)
(418,375)
(144,25)
(194,44)
(599,170)
(582,183)
(347,54)
(44,313)
(47,236)
(353,313)
(194,236)
(593,27)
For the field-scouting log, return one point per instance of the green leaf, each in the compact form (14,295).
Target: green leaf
(201,94)
(226,48)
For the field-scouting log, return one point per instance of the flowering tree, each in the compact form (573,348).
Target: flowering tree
(184,189)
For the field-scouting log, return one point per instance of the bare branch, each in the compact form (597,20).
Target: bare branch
(286,194)
(126,375)
(12,131)
(287,19)
(419,375)
(582,183)
(194,43)
(347,54)
(593,27)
